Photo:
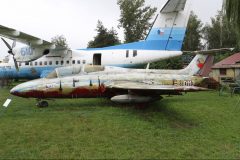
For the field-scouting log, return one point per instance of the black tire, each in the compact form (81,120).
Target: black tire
(42,104)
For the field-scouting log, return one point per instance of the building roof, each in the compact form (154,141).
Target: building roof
(230,62)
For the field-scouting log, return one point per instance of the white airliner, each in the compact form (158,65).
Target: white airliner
(41,57)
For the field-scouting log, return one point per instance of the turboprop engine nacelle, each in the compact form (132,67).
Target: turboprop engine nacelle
(28,54)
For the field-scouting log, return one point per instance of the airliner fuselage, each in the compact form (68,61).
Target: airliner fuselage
(120,58)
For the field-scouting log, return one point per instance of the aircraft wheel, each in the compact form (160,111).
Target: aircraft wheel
(42,104)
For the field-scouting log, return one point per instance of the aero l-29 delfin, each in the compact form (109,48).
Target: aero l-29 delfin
(121,85)
(41,57)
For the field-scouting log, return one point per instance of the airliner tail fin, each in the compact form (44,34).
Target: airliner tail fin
(169,29)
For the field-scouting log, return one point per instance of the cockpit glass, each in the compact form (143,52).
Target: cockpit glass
(74,70)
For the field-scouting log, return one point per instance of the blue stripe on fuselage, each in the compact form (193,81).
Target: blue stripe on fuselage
(177,34)
(158,39)
(24,72)
(40,72)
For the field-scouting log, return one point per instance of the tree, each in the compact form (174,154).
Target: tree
(60,40)
(233,12)
(173,63)
(193,36)
(192,42)
(232,8)
(104,37)
(220,34)
(135,19)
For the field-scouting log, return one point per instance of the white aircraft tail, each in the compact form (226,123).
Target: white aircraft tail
(200,65)
(169,29)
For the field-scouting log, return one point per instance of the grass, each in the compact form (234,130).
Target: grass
(193,126)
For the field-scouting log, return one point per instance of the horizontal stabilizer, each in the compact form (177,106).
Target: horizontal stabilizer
(174,6)
(210,52)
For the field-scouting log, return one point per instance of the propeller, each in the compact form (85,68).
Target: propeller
(10,51)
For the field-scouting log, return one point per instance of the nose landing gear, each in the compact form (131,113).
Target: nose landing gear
(41,104)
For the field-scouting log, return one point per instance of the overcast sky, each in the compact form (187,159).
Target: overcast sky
(76,19)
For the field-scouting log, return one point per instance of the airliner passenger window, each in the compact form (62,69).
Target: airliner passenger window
(50,63)
(127,53)
(57,63)
(67,62)
(31,63)
(27,63)
(79,62)
(40,63)
(62,62)
(73,62)
(36,63)
(20,64)
(84,61)
(45,63)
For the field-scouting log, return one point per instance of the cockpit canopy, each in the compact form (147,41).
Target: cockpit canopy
(73,70)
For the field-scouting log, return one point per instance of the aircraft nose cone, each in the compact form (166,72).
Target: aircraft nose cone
(16,91)
(13,91)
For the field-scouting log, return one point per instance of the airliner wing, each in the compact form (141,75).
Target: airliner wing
(24,38)
(174,6)
(142,87)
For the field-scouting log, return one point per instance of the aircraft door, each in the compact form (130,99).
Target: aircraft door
(97,59)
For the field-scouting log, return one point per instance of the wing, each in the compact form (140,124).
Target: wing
(141,87)
(24,38)
(174,6)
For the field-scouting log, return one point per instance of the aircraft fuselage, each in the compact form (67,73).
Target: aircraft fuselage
(93,85)
(120,58)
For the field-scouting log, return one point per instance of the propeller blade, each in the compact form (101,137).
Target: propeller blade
(16,64)
(7,44)
(10,51)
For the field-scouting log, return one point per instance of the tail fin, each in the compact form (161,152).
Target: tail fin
(200,65)
(204,72)
(169,29)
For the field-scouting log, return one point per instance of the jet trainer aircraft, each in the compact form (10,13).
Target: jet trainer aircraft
(42,57)
(122,85)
